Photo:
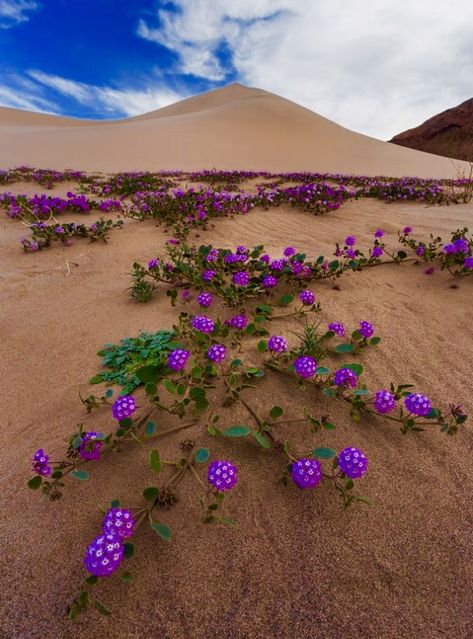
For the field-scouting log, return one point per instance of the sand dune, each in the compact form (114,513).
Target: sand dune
(231,128)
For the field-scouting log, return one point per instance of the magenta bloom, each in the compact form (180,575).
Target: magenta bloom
(306,473)
(366,329)
(204,299)
(124,407)
(237,321)
(350,240)
(119,522)
(379,233)
(241,278)
(269,281)
(407,229)
(289,251)
(222,475)
(307,297)
(277,265)
(91,443)
(40,464)
(265,258)
(345,377)
(177,359)
(154,263)
(338,328)
(203,324)
(104,555)
(212,255)
(352,462)
(384,401)
(420,251)
(418,404)
(207,276)
(377,251)
(216,353)
(305,366)
(429,271)
(277,344)
(468,263)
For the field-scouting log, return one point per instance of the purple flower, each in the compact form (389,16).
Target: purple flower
(345,377)
(241,249)
(216,353)
(90,445)
(119,522)
(40,464)
(289,251)
(377,251)
(461,245)
(124,407)
(350,240)
(104,555)
(468,263)
(306,473)
(352,462)
(203,324)
(186,294)
(338,328)
(177,359)
(222,475)
(418,404)
(307,297)
(429,271)
(269,281)
(204,299)
(207,276)
(241,278)
(379,233)
(366,329)
(59,230)
(384,401)
(265,258)
(407,229)
(420,251)
(305,366)
(154,263)
(212,256)
(449,249)
(350,253)
(237,321)
(277,265)
(277,344)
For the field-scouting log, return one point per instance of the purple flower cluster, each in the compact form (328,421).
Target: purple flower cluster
(338,328)
(307,297)
(241,278)
(204,299)
(216,353)
(222,475)
(418,404)
(40,463)
(203,324)
(104,555)
(239,322)
(306,473)
(177,359)
(384,401)
(90,445)
(366,329)
(269,281)
(208,275)
(124,407)
(352,462)
(305,366)
(277,344)
(119,522)
(345,377)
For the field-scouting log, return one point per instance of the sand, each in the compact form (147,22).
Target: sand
(231,128)
(297,564)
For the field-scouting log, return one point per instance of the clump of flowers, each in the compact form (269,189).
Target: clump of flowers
(203,324)
(124,407)
(352,462)
(90,445)
(222,475)
(306,473)
(40,463)
(177,359)
(305,366)
(104,555)
(418,404)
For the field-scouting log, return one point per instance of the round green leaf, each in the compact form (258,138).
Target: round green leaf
(202,455)
(324,453)
(82,475)
(237,431)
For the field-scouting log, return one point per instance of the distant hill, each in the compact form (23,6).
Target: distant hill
(449,133)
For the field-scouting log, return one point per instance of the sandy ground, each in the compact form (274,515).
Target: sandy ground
(297,564)
(231,128)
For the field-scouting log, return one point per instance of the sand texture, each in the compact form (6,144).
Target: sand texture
(231,128)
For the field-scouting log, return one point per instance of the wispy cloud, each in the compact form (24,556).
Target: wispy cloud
(13,12)
(377,67)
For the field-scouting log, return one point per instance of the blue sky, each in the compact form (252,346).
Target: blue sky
(376,67)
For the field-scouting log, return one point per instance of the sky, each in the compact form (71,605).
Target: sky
(375,66)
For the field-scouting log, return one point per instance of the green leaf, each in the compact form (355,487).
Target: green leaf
(276,412)
(262,346)
(344,348)
(375,340)
(150,493)
(109,393)
(82,475)
(115,503)
(91,580)
(324,453)
(237,431)
(361,391)
(284,300)
(356,368)
(101,608)
(129,550)
(196,372)
(321,370)
(150,429)
(96,379)
(127,577)
(433,414)
(35,482)
(154,462)
(169,386)
(261,439)
(202,455)
(148,374)
(162,530)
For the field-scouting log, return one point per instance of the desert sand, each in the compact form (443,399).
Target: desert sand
(297,564)
(231,128)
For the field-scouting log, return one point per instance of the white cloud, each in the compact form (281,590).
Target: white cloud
(119,102)
(13,12)
(378,68)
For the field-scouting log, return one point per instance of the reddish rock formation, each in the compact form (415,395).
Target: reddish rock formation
(449,133)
